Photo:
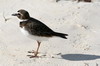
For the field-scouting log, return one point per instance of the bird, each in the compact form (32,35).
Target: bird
(35,29)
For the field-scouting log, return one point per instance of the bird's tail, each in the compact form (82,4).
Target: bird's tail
(61,35)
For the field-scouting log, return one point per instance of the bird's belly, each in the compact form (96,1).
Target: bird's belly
(38,38)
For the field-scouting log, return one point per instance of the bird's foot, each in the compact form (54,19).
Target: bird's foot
(32,51)
(33,56)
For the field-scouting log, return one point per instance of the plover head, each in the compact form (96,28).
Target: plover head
(22,14)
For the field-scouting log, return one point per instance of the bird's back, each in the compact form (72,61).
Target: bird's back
(35,27)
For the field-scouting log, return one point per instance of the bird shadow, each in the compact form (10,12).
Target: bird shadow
(79,57)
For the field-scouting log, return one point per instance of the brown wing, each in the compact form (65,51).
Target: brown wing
(36,27)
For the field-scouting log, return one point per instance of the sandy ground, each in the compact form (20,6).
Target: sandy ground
(80,20)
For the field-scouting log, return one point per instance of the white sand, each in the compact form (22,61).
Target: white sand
(80,20)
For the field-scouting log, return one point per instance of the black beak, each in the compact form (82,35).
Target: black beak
(16,14)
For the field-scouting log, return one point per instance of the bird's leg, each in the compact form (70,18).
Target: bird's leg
(33,51)
(36,52)
(37,48)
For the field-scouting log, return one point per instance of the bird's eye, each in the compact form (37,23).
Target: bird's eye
(18,14)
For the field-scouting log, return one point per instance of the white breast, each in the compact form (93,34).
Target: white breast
(26,33)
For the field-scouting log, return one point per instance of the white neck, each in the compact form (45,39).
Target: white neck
(23,20)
